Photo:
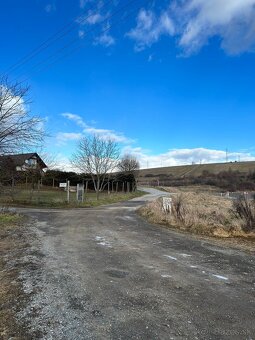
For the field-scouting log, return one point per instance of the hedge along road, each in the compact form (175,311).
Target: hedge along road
(105,273)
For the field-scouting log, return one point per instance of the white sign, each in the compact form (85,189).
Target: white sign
(167,204)
(62,185)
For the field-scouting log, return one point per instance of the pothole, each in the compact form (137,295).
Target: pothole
(117,273)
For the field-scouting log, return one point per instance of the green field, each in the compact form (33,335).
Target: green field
(195,170)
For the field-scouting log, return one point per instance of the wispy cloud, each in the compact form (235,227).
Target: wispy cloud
(75,118)
(50,8)
(150,28)
(94,18)
(105,40)
(193,22)
(64,137)
(90,18)
(81,34)
(102,133)
(97,16)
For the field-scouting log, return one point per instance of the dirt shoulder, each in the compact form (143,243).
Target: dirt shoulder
(239,243)
(13,243)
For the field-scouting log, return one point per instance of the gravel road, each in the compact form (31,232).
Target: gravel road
(105,273)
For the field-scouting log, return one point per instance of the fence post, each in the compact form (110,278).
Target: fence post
(68,191)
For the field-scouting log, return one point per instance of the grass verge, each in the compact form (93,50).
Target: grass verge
(200,214)
(57,199)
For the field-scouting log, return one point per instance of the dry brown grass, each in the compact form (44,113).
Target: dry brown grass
(12,245)
(197,169)
(191,188)
(198,213)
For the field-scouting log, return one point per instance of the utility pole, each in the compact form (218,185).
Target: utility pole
(226,155)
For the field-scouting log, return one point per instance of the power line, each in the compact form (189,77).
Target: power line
(79,40)
(56,36)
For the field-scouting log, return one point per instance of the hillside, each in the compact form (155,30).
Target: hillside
(195,170)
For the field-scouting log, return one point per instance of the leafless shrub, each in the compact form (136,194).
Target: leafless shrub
(245,210)
(179,209)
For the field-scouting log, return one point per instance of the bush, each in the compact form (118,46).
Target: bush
(245,210)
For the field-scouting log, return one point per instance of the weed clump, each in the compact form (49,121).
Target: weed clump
(244,209)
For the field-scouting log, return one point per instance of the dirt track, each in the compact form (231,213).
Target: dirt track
(105,273)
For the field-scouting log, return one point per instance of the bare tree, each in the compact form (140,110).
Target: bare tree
(129,167)
(129,164)
(18,128)
(97,157)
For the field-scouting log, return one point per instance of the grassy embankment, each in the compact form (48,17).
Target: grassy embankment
(199,213)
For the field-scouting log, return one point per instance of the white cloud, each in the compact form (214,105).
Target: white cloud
(50,8)
(193,22)
(63,137)
(94,18)
(231,20)
(176,157)
(150,28)
(63,163)
(77,119)
(105,39)
(90,18)
(81,34)
(102,133)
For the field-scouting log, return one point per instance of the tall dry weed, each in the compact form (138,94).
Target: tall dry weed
(197,212)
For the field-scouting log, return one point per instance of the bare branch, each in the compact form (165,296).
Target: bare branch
(97,157)
(128,164)
(18,129)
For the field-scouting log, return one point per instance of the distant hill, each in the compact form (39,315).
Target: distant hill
(195,170)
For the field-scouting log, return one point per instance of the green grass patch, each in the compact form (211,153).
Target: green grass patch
(56,198)
(8,219)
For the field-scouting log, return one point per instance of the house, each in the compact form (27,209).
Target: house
(22,162)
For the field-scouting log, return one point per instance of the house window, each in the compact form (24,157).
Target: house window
(32,162)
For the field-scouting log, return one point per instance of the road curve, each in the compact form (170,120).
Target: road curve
(105,273)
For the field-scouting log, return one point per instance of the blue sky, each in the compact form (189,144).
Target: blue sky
(171,81)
